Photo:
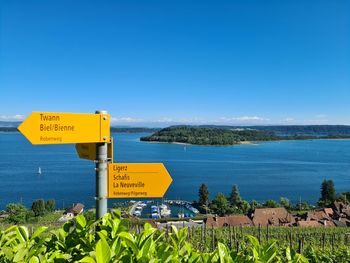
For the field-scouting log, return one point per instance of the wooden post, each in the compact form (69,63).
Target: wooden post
(301,245)
(323,240)
(234,234)
(267,232)
(212,238)
(230,234)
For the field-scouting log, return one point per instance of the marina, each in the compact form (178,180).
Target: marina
(166,209)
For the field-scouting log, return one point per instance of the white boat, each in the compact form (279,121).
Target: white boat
(39,170)
(164,210)
(137,213)
(155,216)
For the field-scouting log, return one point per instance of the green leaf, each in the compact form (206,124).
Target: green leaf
(38,232)
(129,240)
(103,251)
(87,260)
(81,221)
(288,255)
(34,259)
(8,253)
(20,255)
(22,233)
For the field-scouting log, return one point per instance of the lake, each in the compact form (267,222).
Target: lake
(269,170)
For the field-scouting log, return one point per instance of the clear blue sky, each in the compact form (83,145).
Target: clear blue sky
(163,62)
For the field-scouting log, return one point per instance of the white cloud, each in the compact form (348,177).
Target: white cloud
(117,120)
(289,120)
(17,117)
(244,119)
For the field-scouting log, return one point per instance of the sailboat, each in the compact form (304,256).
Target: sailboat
(39,170)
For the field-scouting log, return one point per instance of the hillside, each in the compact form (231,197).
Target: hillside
(208,136)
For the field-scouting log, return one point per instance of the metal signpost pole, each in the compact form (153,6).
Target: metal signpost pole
(101,177)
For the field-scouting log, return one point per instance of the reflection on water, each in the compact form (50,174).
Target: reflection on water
(293,169)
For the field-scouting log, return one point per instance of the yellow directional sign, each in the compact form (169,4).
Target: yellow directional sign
(60,128)
(88,150)
(137,180)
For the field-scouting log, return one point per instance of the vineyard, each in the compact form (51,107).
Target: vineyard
(112,239)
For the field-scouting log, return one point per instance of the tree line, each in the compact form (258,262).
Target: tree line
(208,136)
(234,204)
(19,214)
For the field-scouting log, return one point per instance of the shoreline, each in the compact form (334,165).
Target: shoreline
(250,142)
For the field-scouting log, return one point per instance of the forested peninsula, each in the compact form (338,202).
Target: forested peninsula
(223,136)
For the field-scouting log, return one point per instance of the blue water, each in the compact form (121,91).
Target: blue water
(293,169)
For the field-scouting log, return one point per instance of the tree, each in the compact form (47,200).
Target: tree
(38,207)
(344,197)
(271,204)
(50,205)
(244,207)
(328,194)
(220,204)
(235,198)
(255,204)
(203,194)
(285,202)
(17,213)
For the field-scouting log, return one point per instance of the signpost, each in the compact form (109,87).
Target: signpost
(91,134)
(88,150)
(61,128)
(137,180)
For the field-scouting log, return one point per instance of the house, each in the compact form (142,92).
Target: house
(328,211)
(341,210)
(231,220)
(308,224)
(317,215)
(340,223)
(75,210)
(179,224)
(272,216)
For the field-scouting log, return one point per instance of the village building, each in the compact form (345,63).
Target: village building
(308,224)
(75,210)
(72,212)
(272,216)
(231,220)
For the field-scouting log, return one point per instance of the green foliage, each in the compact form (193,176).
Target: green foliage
(271,204)
(17,213)
(208,136)
(254,204)
(50,205)
(220,204)
(328,194)
(235,198)
(38,207)
(285,203)
(109,240)
(203,195)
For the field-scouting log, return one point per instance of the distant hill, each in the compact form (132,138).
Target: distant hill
(133,129)
(229,135)
(208,136)
(295,130)
(9,123)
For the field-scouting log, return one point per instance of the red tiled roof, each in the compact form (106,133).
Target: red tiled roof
(308,223)
(317,215)
(272,216)
(232,220)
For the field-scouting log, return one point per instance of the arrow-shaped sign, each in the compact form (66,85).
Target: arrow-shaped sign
(88,150)
(137,180)
(60,128)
